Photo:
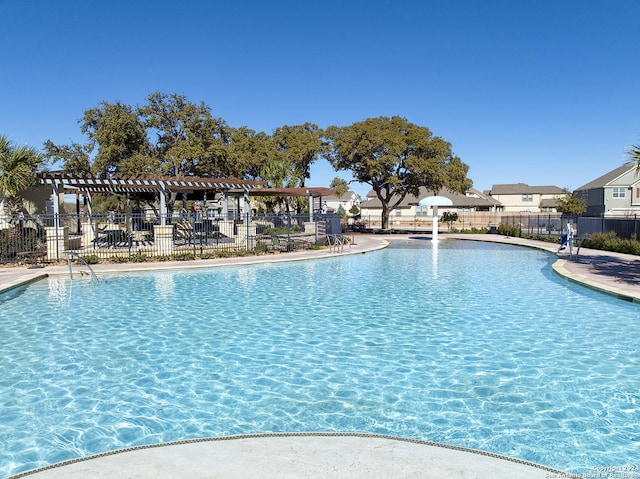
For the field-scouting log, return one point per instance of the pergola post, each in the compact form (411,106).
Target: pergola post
(88,228)
(163,205)
(57,238)
(248,228)
(56,204)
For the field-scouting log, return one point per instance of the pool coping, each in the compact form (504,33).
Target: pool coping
(296,454)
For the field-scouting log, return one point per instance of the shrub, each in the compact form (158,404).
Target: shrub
(119,259)
(610,242)
(261,247)
(184,257)
(138,258)
(16,240)
(510,230)
(475,230)
(91,259)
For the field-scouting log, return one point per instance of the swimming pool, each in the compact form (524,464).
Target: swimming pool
(476,345)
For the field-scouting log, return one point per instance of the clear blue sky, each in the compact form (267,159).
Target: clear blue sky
(544,92)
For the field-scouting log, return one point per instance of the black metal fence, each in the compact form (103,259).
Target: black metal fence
(625,228)
(540,224)
(136,237)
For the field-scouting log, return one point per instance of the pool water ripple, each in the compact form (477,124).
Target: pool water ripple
(474,345)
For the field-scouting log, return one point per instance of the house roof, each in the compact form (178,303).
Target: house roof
(603,180)
(473,199)
(549,202)
(523,188)
(345,197)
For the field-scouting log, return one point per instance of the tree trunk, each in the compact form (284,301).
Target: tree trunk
(385,216)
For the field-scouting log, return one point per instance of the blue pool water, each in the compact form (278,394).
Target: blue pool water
(476,345)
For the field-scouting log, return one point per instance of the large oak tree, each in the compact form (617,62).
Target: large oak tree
(396,158)
(293,149)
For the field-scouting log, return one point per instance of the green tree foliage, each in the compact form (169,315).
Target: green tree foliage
(172,136)
(449,218)
(17,166)
(633,153)
(189,140)
(298,146)
(278,174)
(571,205)
(396,158)
(340,186)
(247,152)
(75,158)
(292,151)
(118,135)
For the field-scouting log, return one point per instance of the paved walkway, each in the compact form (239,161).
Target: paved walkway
(327,455)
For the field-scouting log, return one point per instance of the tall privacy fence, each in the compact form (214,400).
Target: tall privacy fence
(135,237)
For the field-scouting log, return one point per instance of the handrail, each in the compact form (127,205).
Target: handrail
(336,242)
(69,254)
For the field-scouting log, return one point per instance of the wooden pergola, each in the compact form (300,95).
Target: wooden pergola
(88,184)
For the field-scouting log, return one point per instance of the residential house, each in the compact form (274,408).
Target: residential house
(332,203)
(522,198)
(616,193)
(408,209)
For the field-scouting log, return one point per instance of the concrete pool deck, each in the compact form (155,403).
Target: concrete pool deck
(318,455)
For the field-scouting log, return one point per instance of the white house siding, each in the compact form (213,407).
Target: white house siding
(515,203)
(347,201)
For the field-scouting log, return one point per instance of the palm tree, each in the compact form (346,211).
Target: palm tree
(17,165)
(633,153)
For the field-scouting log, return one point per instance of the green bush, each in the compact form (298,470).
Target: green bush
(91,259)
(261,247)
(510,230)
(16,240)
(138,258)
(475,230)
(611,242)
(119,259)
(545,238)
(184,257)
(280,230)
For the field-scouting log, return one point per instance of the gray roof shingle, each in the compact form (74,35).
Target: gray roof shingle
(523,188)
(458,200)
(601,181)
